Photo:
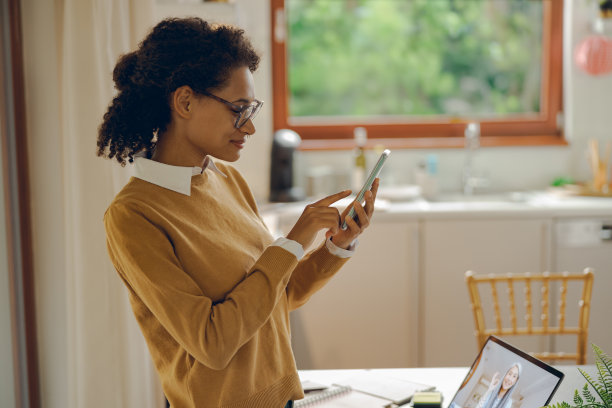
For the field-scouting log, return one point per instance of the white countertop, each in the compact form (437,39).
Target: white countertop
(446,380)
(514,204)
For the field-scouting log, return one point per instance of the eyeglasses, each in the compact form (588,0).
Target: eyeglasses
(244,112)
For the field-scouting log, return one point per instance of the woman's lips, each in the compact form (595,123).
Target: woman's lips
(238,143)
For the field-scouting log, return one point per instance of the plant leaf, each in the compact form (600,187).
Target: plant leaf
(562,404)
(602,386)
(595,386)
(605,383)
(587,394)
(577,399)
(604,367)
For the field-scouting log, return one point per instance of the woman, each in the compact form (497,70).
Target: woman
(499,393)
(209,286)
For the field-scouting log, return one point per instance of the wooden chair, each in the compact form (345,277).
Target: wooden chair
(545,326)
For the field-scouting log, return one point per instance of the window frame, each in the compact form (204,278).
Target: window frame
(525,130)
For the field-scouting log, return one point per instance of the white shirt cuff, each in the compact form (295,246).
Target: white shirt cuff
(340,252)
(290,245)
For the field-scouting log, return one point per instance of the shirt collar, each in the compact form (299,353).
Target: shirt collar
(175,178)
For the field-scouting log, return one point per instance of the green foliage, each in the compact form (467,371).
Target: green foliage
(602,385)
(562,181)
(417,57)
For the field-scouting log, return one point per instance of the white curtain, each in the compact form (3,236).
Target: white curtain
(108,364)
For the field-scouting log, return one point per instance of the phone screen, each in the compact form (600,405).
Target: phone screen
(368,183)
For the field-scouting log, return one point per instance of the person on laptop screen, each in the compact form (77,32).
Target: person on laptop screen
(499,394)
(503,376)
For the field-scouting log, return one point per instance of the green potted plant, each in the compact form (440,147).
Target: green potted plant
(602,385)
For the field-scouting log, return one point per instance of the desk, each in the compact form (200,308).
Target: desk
(446,380)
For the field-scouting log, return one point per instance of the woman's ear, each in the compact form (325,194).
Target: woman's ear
(182,99)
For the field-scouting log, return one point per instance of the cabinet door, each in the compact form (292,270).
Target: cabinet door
(450,248)
(366,315)
(581,243)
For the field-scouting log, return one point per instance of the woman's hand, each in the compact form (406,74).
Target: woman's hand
(318,216)
(495,380)
(344,238)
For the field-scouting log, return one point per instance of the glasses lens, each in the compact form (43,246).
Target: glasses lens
(248,113)
(243,117)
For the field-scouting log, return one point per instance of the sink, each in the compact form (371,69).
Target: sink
(504,197)
(491,201)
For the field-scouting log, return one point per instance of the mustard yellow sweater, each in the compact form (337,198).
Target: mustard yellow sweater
(211,296)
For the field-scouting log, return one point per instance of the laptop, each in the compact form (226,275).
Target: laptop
(503,376)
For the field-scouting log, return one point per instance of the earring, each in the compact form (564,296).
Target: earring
(188,105)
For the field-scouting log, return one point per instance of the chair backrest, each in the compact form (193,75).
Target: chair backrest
(533,326)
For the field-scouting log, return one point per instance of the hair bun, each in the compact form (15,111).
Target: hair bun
(124,71)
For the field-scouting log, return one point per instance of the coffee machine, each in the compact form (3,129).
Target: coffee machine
(284,144)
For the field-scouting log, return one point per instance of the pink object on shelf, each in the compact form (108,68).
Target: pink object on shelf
(594,55)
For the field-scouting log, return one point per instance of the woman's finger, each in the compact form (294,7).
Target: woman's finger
(326,219)
(364,219)
(374,188)
(313,213)
(369,203)
(371,197)
(353,227)
(329,200)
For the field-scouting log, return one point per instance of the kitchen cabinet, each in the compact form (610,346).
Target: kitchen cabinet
(581,242)
(449,248)
(402,300)
(366,316)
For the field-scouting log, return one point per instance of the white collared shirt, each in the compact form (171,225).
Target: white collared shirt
(178,179)
(175,178)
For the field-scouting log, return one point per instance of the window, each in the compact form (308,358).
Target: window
(414,72)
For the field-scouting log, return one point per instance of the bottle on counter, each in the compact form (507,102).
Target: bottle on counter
(426,176)
(360,136)
(432,173)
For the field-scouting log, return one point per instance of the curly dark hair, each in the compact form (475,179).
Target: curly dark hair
(177,52)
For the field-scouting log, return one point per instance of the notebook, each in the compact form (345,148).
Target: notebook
(506,377)
(395,390)
(321,395)
(364,388)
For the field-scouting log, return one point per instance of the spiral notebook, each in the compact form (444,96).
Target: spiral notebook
(362,388)
(323,395)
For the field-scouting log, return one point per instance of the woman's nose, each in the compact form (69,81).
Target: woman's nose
(248,127)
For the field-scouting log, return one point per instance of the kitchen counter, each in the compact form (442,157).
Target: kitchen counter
(530,204)
(504,205)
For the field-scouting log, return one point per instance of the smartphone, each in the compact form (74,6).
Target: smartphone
(368,184)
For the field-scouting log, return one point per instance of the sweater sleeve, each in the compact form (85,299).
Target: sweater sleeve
(210,331)
(311,274)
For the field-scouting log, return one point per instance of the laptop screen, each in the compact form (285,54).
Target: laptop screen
(503,376)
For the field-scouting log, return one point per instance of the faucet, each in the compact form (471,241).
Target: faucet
(472,143)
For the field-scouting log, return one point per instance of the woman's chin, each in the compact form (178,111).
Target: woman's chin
(229,157)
